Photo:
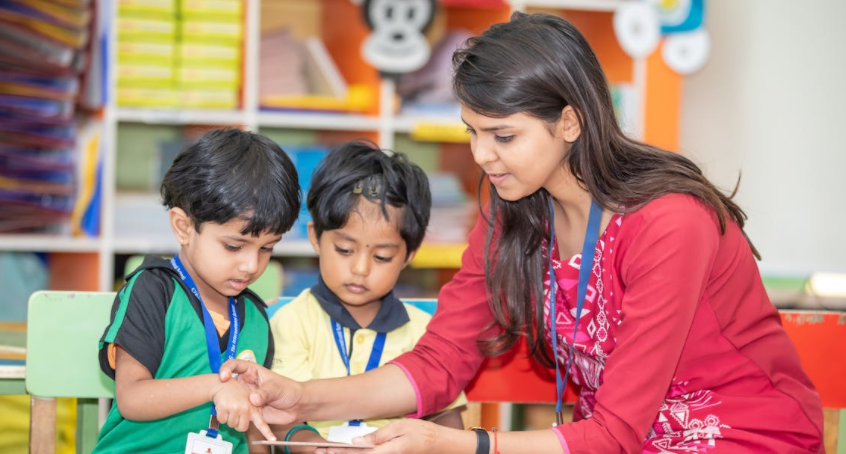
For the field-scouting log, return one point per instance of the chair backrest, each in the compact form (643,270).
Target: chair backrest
(63,330)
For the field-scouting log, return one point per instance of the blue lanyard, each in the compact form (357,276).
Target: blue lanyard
(341,343)
(212,341)
(375,354)
(585,270)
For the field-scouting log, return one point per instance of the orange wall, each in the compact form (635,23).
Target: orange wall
(344,30)
(662,104)
(598,29)
(476,20)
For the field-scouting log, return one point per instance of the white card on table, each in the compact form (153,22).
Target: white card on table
(319,444)
(345,432)
(199,443)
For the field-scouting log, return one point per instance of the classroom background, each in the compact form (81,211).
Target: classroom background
(98,96)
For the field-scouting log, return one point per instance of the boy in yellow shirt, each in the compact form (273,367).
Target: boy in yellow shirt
(370,211)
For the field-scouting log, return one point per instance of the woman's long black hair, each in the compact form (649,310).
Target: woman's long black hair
(538,64)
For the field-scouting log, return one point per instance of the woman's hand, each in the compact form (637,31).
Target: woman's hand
(276,395)
(410,436)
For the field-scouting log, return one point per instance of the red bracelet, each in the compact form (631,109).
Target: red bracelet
(496,447)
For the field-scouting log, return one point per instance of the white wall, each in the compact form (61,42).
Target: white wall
(771,102)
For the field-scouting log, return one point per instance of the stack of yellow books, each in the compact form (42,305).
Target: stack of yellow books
(209,53)
(146,53)
(180,53)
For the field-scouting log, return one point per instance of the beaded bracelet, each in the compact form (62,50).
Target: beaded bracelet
(295,429)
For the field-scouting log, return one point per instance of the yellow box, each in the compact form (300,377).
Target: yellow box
(162,53)
(147,8)
(438,255)
(146,97)
(146,29)
(423,131)
(212,9)
(359,98)
(191,77)
(216,55)
(212,32)
(208,99)
(149,75)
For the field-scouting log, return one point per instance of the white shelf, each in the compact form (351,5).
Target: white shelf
(314,120)
(138,245)
(587,5)
(48,243)
(181,116)
(299,120)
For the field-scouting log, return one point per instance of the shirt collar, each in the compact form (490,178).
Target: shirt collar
(391,315)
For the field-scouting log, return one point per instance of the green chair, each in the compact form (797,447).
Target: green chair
(63,331)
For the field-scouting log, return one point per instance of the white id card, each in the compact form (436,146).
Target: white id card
(199,443)
(345,433)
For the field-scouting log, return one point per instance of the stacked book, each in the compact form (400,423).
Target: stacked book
(51,56)
(180,53)
(211,34)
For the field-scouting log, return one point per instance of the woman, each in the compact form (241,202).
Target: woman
(663,318)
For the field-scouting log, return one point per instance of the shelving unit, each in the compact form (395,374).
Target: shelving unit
(48,243)
(180,116)
(657,93)
(308,120)
(290,120)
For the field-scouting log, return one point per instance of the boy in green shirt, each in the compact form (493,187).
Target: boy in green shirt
(231,196)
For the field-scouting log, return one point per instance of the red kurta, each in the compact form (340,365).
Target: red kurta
(678,348)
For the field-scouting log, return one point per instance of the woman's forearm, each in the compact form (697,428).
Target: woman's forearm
(418,436)
(452,441)
(381,393)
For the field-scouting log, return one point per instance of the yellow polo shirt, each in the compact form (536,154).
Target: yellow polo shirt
(305,347)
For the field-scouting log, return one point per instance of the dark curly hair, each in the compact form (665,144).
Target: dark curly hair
(230,173)
(359,169)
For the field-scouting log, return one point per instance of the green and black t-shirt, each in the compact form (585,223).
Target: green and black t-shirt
(159,322)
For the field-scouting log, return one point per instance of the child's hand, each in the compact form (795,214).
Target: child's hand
(232,401)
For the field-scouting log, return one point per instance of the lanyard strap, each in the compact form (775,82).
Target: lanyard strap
(212,339)
(341,343)
(585,270)
(375,353)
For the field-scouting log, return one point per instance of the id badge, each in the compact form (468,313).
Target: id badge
(200,443)
(345,432)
